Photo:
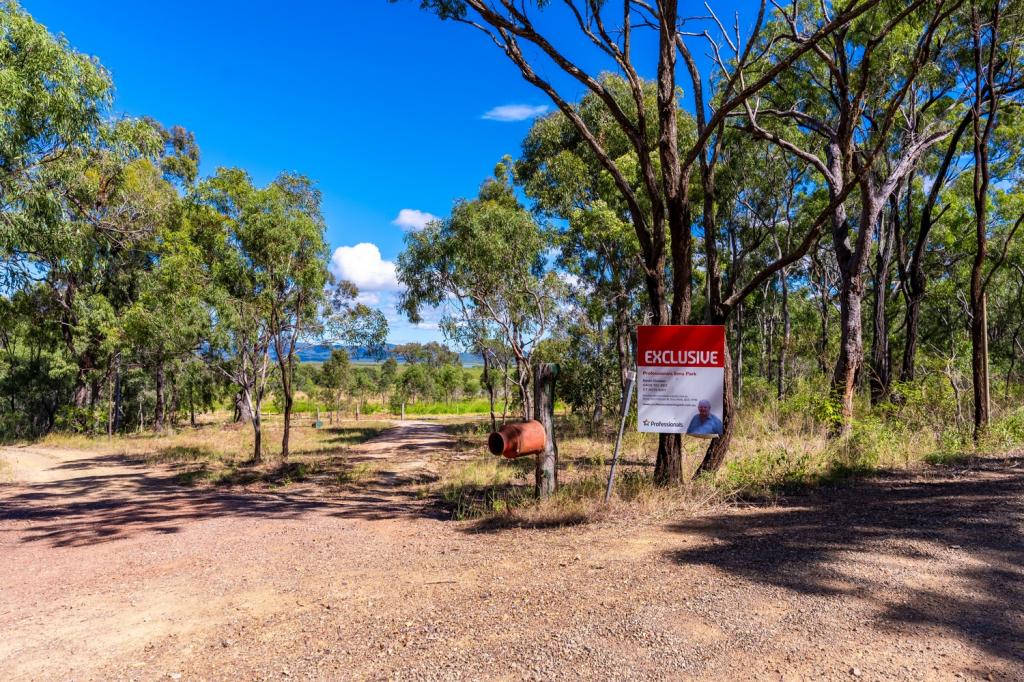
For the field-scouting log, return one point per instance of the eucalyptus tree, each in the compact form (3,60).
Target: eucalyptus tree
(335,377)
(96,211)
(869,94)
(486,265)
(662,212)
(168,321)
(265,268)
(597,246)
(53,99)
(292,253)
(996,80)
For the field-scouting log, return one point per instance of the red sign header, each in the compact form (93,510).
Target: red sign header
(685,345)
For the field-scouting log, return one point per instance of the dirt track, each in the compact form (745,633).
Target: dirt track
(111,571)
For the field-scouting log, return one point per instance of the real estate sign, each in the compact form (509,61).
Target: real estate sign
(681,376)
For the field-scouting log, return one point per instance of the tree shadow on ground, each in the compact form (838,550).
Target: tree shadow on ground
(828,543)
(135,498)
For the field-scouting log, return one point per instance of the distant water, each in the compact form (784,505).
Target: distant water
(320,353)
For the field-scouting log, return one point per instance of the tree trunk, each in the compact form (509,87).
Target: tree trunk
(243,409)
(786,330)
(286,364)
(254,410)
(622,342)
(851,351)
(916,281)
(80,397)
(769,342)
(489,383)
(714,456)
(159,413)
(546,474)
(881,355)
(979,358)
(523,381)
(118,406)
(738,341)
(907,369)
(983,125)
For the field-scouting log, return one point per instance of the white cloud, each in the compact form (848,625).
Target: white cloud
(370,298)
(410,219)
(514,112)
(363,266)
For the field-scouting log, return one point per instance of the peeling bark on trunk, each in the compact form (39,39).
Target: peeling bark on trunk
(717,449)
(851,350)
(242,409)
(546,472)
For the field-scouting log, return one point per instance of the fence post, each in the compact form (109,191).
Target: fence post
(544,412)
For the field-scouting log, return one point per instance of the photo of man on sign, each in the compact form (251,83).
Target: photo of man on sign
(704,424)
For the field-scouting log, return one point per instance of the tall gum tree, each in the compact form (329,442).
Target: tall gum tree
(662,212)
(995,74)
(486,264)
(839,113)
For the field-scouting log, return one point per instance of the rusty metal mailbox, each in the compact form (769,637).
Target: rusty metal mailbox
(518,439)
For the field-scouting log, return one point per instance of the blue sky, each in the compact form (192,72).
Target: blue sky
(382,104)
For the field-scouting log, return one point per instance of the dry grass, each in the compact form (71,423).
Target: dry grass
(777,447)
(221,453)
(496,492)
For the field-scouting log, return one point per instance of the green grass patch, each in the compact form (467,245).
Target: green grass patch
(484,486)
(477,406)
(184,454)
(357,473)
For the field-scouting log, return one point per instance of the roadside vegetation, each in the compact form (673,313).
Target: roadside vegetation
(851,215)
(780,447)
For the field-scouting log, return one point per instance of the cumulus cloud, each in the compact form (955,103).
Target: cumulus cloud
(507,113)
(410,219)
(363,266)
(370,298)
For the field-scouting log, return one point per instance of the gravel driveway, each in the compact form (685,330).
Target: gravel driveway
(112,572)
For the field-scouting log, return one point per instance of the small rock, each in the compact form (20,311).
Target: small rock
(855,672)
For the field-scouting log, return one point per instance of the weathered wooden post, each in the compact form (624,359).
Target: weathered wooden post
(544,412)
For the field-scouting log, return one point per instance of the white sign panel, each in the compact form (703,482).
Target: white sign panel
(681,378)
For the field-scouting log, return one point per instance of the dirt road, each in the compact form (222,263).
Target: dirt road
(110,571)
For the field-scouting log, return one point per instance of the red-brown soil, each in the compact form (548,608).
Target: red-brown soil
(111,571)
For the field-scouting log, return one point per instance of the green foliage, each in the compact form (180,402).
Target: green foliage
(476,406)
(52,99)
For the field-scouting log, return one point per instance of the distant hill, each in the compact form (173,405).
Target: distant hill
(320,352)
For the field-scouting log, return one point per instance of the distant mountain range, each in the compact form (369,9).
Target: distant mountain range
(320,352)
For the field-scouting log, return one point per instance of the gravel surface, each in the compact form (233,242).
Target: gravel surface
(112,572)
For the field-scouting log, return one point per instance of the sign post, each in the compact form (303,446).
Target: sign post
(681,378)
(627,401)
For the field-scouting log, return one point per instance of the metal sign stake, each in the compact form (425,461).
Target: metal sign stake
(631,377)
